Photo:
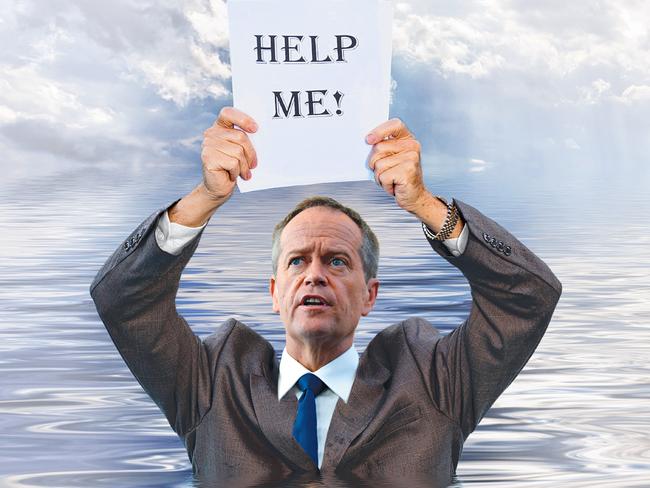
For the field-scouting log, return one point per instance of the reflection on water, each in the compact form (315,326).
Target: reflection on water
(72,415)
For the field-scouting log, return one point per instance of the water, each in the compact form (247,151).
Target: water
(71,414)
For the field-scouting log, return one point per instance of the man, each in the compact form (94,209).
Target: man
(404,407)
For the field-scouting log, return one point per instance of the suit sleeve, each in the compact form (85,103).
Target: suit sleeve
(172,237)
(135,294)
(514,294)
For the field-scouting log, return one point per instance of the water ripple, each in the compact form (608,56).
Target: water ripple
(72,415)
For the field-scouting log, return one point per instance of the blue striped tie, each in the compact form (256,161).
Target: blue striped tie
(304,428)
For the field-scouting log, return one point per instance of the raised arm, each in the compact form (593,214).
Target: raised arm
(514,293)
(135,293)
(135,290)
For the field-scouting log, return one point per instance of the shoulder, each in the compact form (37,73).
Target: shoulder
(409,330)
(238,335)
(236,343)
(413,335)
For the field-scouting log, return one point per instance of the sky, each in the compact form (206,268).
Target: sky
(485,85)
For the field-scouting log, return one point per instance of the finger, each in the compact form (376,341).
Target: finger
(391,128)
(407,164)
(392,177)
(234,150)
(235,136)
(386,163)
(386,183)
(237,167)
(215,160)
(244,170)
(230,116)
(240,156)
(390,147)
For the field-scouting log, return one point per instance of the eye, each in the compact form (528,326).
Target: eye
(295,261)
(337,262)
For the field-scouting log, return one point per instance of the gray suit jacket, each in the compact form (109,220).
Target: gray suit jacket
(417,394)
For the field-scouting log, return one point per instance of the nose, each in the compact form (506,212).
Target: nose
(315,274)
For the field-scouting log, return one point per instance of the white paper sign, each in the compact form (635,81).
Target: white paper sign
(315,76)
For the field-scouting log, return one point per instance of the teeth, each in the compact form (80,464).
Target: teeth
(313,301)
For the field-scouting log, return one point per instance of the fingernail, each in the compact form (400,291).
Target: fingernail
(253,126)
(249,175)
(370,138)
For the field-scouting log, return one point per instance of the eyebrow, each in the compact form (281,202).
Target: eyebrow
(305,250)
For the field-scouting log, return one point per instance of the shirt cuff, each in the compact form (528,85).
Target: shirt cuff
(173,237)
(457,245)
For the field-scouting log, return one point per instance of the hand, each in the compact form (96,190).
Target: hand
(227,152)
(395,160)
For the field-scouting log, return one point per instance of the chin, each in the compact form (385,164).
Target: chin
(316,328)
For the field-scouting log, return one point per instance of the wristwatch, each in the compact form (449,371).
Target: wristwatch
(448,225)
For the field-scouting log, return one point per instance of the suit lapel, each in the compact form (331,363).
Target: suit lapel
(276,418)
(351,418)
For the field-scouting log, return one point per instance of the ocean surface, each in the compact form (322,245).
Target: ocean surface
(71,414)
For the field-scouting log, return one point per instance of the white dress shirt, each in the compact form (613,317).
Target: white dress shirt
(338,374)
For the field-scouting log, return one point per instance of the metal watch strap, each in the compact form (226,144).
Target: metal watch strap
(448,225)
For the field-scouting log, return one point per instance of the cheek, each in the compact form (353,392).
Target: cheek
(362,294)
(287,291)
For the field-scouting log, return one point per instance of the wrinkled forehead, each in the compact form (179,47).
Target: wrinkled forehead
(321,226)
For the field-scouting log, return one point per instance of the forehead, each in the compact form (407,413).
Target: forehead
(322,226)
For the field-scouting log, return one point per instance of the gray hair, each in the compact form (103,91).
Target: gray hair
(369,250)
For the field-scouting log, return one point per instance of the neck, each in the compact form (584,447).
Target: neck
(315,355)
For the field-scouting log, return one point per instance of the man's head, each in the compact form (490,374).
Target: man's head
(369,250)
(325,261)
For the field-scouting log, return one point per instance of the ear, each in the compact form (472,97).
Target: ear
(272,290)
(371,296)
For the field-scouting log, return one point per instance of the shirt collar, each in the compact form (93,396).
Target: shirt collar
(338,374)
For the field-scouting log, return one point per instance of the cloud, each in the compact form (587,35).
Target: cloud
(478,165)
(559,45)
(107,82)
(636,93)
(571,144)
(594,92)
(28,94)
(125,81)
(196,68)
(451,44)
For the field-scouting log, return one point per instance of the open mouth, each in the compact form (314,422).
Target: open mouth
(314,301)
